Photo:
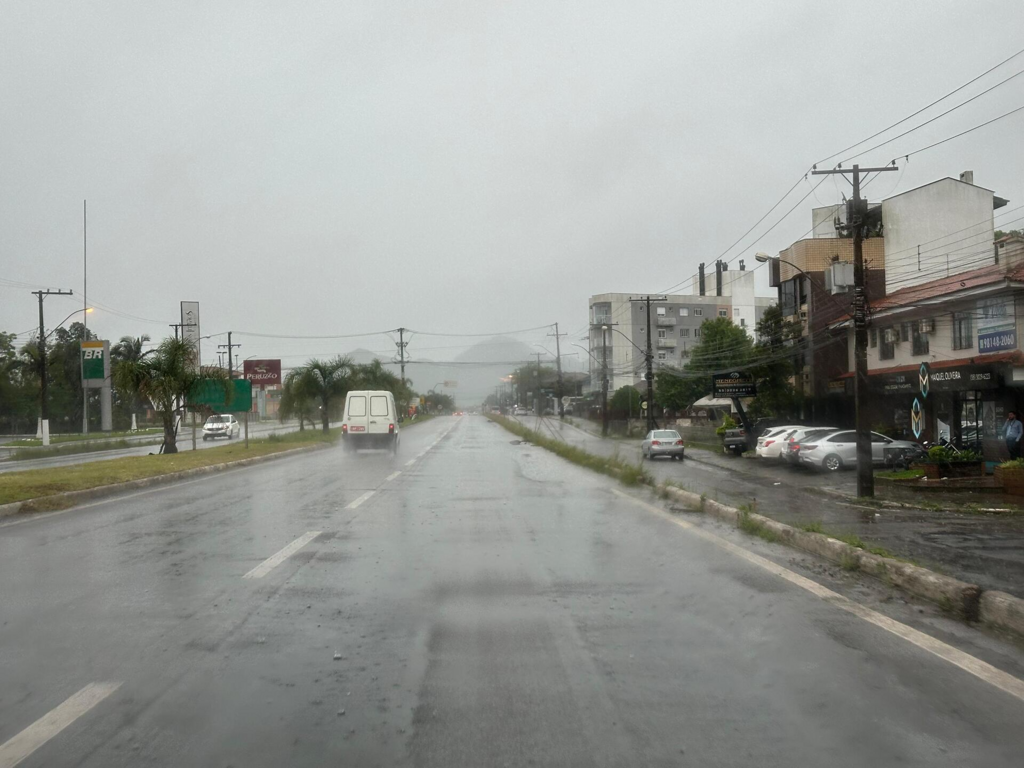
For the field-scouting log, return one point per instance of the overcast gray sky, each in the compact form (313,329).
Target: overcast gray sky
(474,167)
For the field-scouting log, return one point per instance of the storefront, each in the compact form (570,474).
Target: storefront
(963,401)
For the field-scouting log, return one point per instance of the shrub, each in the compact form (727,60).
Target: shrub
(1012,464)
(943,454)
(728,422)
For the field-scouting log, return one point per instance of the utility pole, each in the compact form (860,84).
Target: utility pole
(649,354)
(856,221)
(85,314)
(401,356)
(230,346)
(558,362)
(44,392)
(604,382)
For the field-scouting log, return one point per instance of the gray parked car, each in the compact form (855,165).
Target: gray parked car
(839,449)
(663,442)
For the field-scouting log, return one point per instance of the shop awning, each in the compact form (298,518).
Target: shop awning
(1013,357)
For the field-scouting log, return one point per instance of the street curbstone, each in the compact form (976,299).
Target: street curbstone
(70,499)
(1001,610)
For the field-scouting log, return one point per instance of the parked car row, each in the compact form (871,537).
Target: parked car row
(828,448)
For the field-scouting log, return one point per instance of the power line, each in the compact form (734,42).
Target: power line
(962,133)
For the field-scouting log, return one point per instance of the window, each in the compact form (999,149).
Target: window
(843,437)
(743,323)
(735,311)
(602,313)
(684,333)
(662,333)
(378,405)
(723,313)
(887,350)
(696,332)
(963,332)
(920,341)
(698,313)
(661,311)
(357,405)
(661,355)
(877,438)
(684,311)
(873,338)
(904,331)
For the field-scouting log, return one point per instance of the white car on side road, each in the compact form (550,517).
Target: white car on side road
(769,445)
(221,425)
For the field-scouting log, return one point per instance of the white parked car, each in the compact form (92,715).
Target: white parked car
(522,410)
(839,449)
(221,425)
(769,445)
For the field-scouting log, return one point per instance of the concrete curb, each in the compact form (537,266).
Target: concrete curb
(74,498)
(992,608)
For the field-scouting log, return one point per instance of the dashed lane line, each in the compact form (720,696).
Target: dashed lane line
(276,559)
(360,500)
(20,746)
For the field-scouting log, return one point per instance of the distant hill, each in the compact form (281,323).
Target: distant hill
(476,371)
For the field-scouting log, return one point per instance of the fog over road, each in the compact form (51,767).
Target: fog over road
(472,601)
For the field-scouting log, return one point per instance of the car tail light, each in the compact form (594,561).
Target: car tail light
(768,442)
(344,429)
(794,446)
(655,442)
(810,447)
(391,429)
(679,442)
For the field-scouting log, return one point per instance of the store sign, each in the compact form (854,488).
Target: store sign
(917,419)
(924,378)
(896,383)
(262,372)
(93,360)
(837,387)
(190,329)
(997,339)
(962,378)
(734,384)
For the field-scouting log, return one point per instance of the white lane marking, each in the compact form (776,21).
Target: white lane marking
(20,746)
(392,476)
(276,559)
(980,669)
(410,462)
(360,500)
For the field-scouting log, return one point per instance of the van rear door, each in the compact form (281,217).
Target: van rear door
(357,413)
(382,419)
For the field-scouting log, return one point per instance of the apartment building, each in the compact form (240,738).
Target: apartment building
(618,330)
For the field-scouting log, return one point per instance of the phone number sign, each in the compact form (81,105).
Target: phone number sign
(997,340)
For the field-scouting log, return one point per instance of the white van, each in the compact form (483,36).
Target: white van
(370,420)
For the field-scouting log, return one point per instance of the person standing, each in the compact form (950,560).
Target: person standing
(1013,431)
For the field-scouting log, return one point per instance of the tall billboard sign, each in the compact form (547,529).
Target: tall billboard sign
(262,373)
(190,328)
(733,384)
(96,375)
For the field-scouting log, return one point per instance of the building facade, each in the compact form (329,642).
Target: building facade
(618,330)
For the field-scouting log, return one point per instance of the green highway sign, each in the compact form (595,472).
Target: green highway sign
(92,360)
(222,397)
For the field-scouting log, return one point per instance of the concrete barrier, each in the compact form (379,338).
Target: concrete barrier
(1001,610)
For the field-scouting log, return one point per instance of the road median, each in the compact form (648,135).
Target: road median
(37,490)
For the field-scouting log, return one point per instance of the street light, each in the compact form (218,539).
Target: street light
(86,310)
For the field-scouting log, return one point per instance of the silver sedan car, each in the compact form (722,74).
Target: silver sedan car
(663,442)
(838,450)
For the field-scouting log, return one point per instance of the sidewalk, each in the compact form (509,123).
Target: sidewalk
(980,547)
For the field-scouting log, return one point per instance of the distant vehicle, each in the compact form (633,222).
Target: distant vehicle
(370,420)
(663,442)
(521,410)
(221,425)
(736,440)
(839,449)
(769,445)
(458,413)
(792,444)
(495,409)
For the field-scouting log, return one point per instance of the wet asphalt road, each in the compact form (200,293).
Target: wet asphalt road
(490,605)
(981,548)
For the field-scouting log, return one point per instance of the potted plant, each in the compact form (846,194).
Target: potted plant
(1010,474)
(945,462)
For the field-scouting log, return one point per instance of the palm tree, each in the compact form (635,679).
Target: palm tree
(130,350)
(296,400)
(324,381)
(374,376)
(165,377)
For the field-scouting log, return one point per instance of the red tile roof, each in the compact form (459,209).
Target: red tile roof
(996,273)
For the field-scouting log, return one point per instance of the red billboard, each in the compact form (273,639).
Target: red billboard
(262,372)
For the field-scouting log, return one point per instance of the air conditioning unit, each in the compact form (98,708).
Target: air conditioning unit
(889,336)
(803,314)
(927,325)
